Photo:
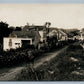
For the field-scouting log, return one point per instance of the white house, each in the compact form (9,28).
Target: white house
(14,43)
(62,36)
(81,35)
(21,38)
(41,34)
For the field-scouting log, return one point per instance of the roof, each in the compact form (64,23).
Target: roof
(27,34)
(34,27)
(63,33)
(55,30)
(52,33)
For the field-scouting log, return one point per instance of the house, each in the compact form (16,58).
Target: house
(14,43)
(41,30)
(62,35)
(77,37)
(45,31)
(33,35)
(80,36)
(21,38)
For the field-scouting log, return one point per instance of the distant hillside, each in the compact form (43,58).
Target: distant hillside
(71,32)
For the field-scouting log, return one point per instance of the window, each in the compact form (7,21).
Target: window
(17,43)
(10,42)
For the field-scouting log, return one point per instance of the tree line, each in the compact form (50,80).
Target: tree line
(5,30)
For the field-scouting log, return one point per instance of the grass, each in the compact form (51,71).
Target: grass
(61,68)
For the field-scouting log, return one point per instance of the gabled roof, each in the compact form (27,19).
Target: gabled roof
(63,33)
(51,29)
(27,34)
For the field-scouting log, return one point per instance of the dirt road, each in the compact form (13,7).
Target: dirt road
(48,57)
(11,73)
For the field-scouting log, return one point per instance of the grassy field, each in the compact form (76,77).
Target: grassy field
(67,66)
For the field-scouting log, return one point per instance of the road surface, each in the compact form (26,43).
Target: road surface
(12,72)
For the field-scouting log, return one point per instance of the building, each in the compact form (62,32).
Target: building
(21,38)
(14,43)
(40,29)
(62,35)
(81,35)
(45,31)
(34,35)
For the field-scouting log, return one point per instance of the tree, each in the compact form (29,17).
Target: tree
(4,31)
(47,24)
(11,28)
(82,29)
(18,29)
(27,24)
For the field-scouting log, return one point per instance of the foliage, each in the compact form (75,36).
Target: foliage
(13,57)
(71,32)
(24,54)
(74,47)
(11,28)
(18,29)
(47,24)
(59,69)
(4,31)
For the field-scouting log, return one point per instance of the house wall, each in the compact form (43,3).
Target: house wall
(77,37)
(13,43)
(41,34)
(6,44)
(64,38)
(61,36)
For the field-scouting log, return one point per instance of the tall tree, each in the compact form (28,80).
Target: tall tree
(47,24)
(11,28)
(4,31)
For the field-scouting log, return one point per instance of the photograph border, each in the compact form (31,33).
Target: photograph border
(44,1)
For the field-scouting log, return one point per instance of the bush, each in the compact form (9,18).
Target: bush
(24,54)
(58,69)
(14,57)
(75,47)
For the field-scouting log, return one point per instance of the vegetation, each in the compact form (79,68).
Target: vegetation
(44,72)
(4,31)
(13,57)
(11,29)
(25,54)
(18,29)
(67,66)
(71,32)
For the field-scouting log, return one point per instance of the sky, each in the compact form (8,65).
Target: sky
(60,15)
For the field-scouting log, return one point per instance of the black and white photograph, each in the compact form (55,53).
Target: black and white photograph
(41,41)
